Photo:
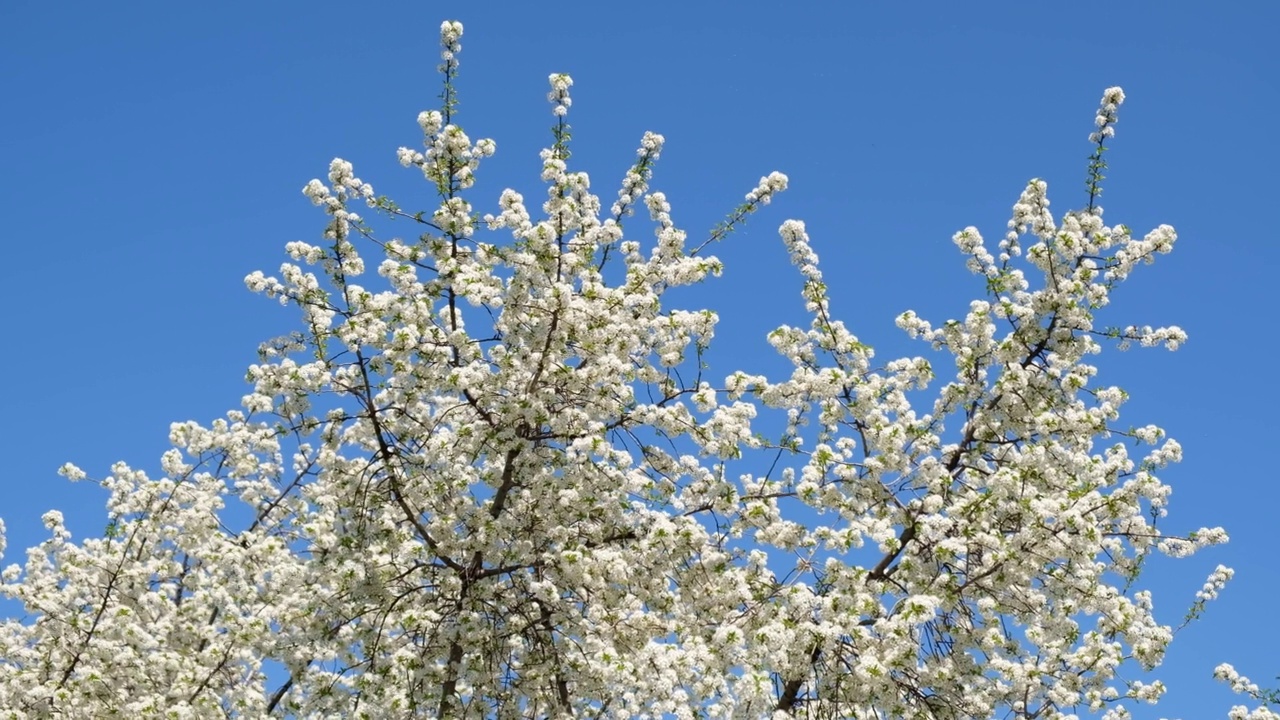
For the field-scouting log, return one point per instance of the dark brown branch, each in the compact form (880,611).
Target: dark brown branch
(791,689)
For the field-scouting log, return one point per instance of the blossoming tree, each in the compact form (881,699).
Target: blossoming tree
(497,479)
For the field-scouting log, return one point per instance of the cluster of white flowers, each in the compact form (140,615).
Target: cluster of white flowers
(636,182)
(1106,118)
(1030,212)
(1244,686)
(1194,542)
(1217,580)
(1171,337)
(450,155)
(770,185)
(496,480)
(450,35)
(559,95)
(1240,712)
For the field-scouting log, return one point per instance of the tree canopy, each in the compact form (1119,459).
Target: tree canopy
(494,475)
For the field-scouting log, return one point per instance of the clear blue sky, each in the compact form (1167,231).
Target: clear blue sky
(155,153)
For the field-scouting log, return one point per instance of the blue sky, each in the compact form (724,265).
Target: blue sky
(156,151)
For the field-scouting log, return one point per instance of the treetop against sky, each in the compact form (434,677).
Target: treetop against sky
(525,442)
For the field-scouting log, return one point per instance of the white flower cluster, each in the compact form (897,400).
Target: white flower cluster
(1106,118)
(769,186)
(1196,541)
(1240,712)
(450,156)
(1171,337)
(636,182)
(1243,686)
(559,95)
(1030,212)
(450,35)
(1217,580)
